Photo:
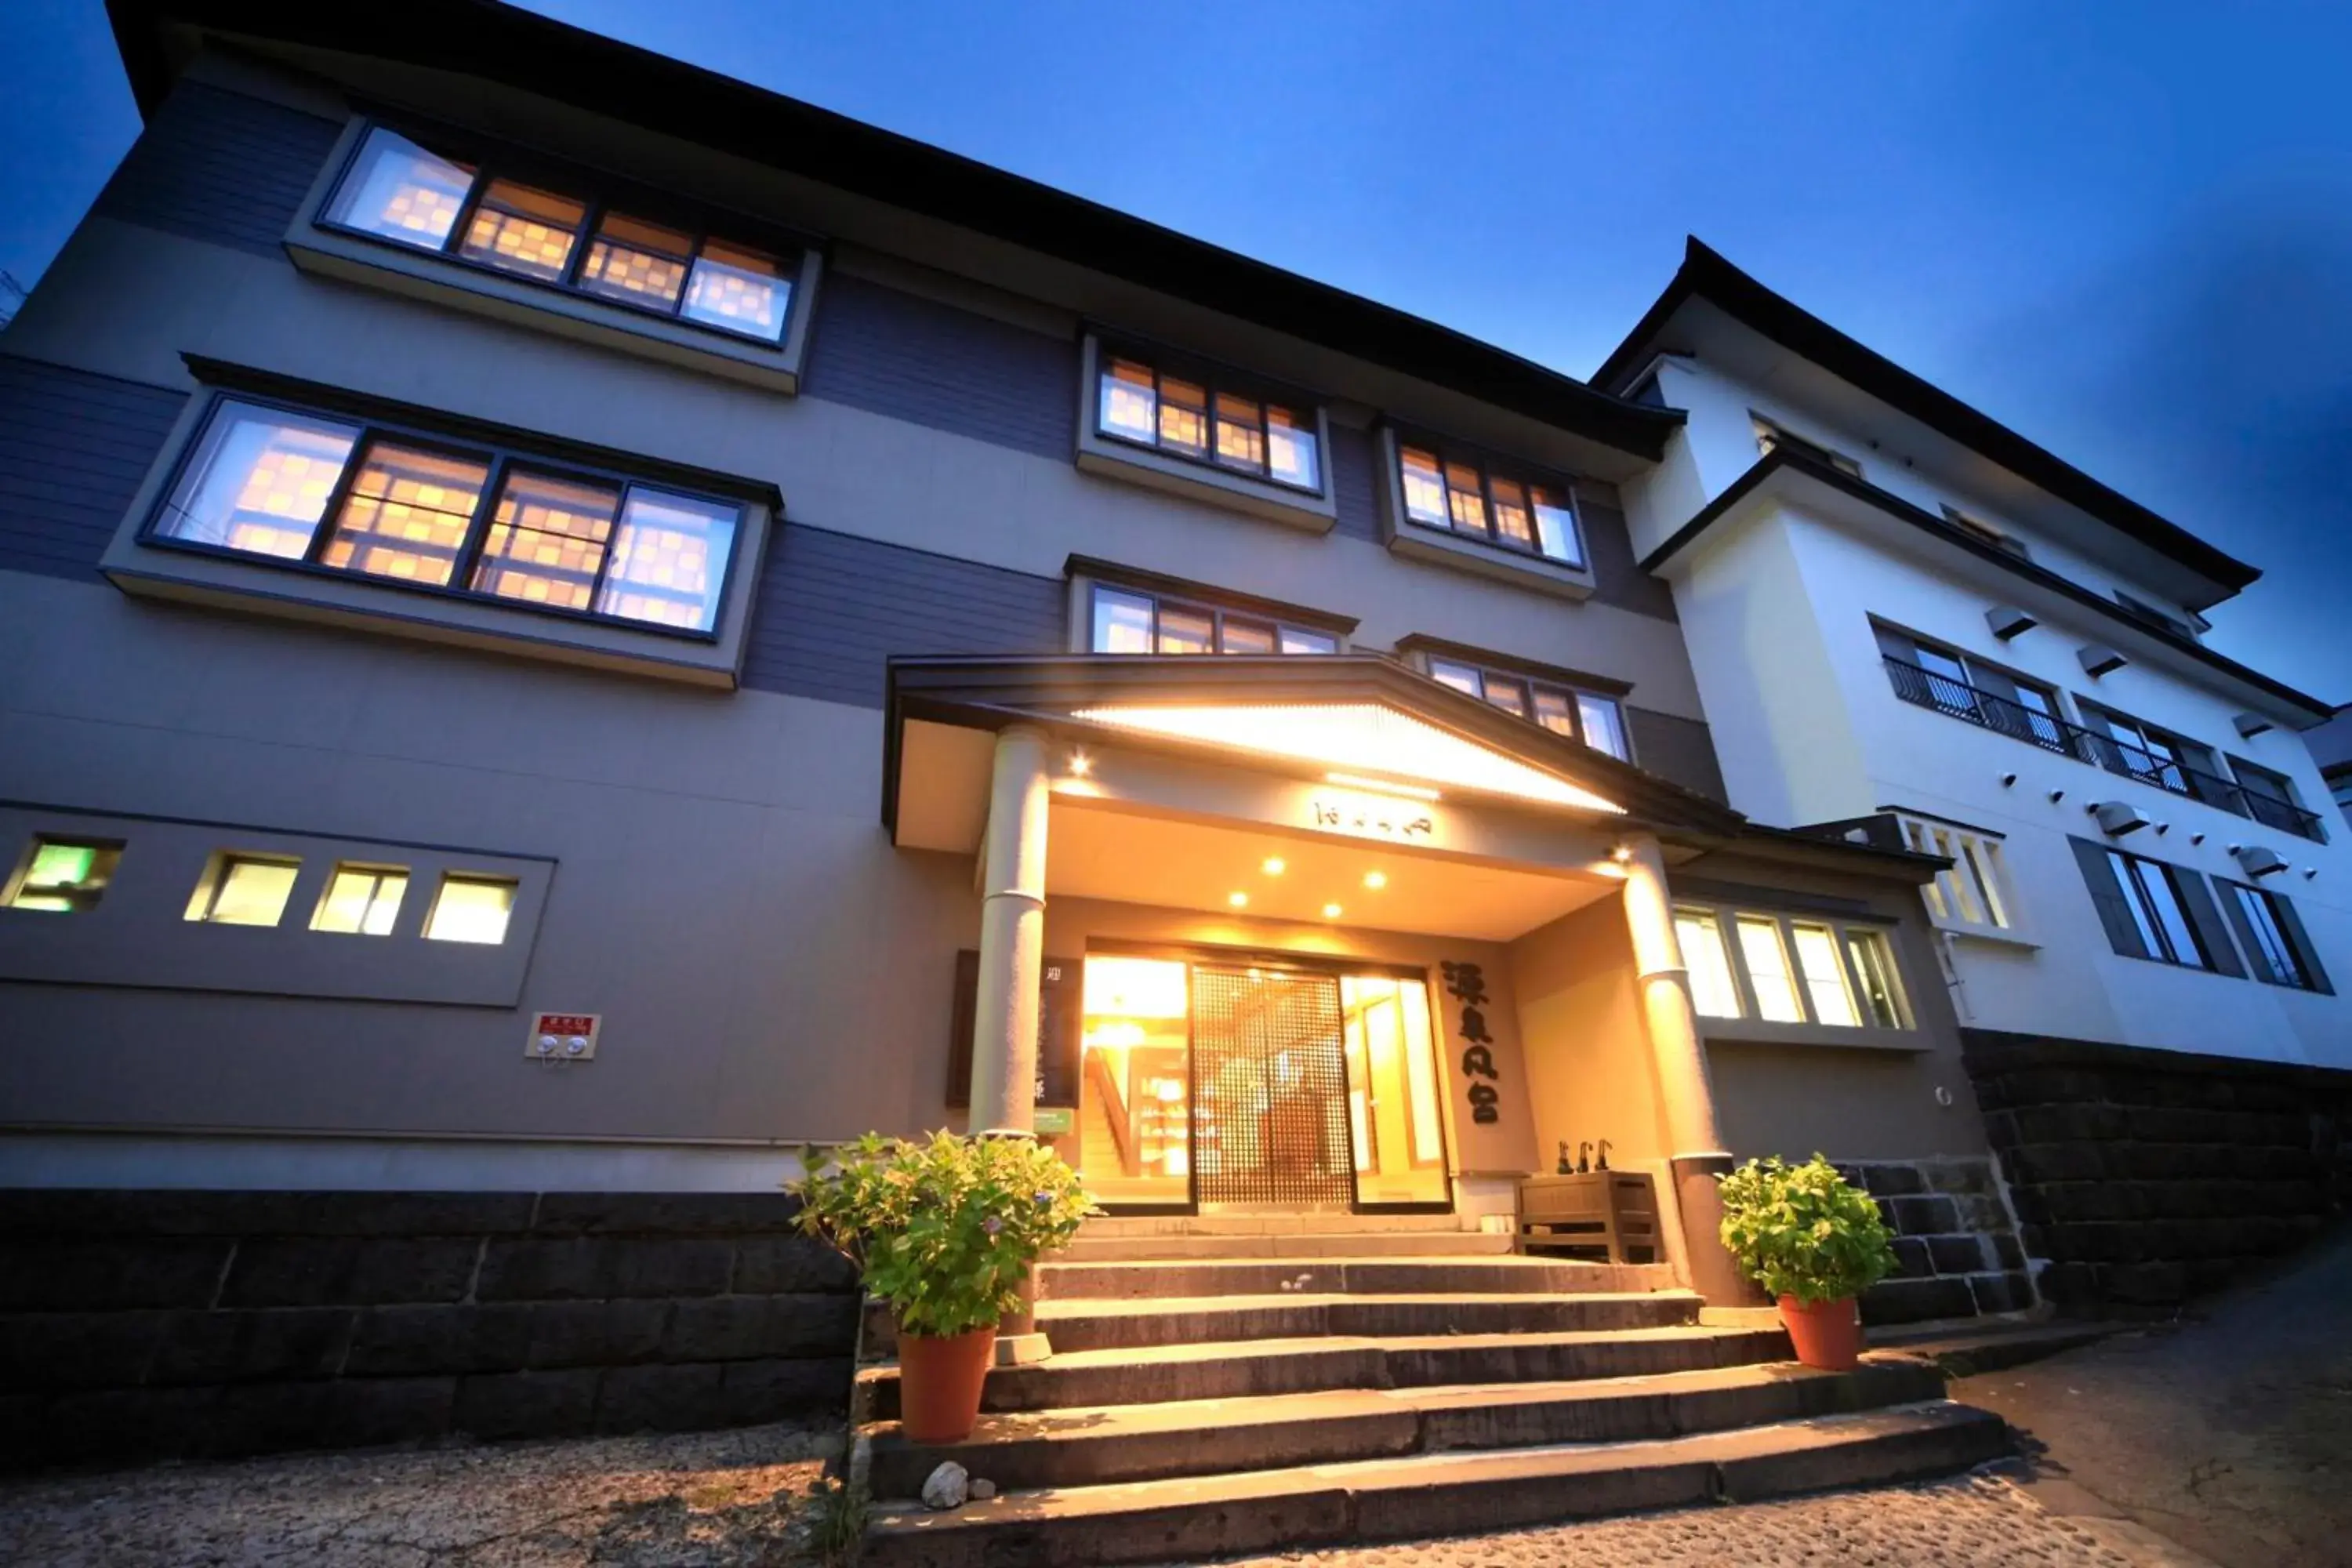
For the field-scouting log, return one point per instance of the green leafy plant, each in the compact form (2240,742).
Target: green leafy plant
(944,1231)
(1804,1230)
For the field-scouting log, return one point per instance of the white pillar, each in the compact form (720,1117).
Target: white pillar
(1697,1155)
(1011,937)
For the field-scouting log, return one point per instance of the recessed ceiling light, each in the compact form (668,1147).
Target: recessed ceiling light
(1274,866)
(1376,880)
(1239,900)
(1331,911)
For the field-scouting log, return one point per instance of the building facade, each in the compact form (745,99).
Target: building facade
(565,650)
(1896,607)
(575,625)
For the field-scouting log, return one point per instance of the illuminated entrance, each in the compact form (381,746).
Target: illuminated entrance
(1224,1084)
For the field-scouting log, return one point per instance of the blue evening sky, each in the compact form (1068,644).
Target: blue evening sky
(2125,229)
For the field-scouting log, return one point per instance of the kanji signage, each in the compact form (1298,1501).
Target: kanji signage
(1467,984)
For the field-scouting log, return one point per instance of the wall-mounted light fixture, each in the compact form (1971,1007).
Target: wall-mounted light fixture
(2117,817)
(2008,621)
(2252,724)
(2257,861)
(2098,659)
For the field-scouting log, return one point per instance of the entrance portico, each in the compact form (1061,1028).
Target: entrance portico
(1289,888)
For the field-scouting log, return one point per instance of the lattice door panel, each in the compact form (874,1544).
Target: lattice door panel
(1270,1089)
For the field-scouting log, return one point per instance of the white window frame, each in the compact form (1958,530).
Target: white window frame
(1810,1028)
(1979,876)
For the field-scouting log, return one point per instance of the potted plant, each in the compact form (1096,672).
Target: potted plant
(945,1232)
(1814,1242)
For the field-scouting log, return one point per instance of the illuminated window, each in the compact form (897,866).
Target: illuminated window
(1714,993)
(741,290)
(362,900)
(1125,621)
(1585,716)
(1973,893)
(1796,970)
(260,481)
(636,262)
(407,513)
(1135,400)
(1766,957)
(471,909)
(63,875)
(1824,972)
(519,229)
(1470,497)
(244,891)
(399,190)
(472,522)
(670,561)
(547,539)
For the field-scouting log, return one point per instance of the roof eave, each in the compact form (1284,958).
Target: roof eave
(1704,273)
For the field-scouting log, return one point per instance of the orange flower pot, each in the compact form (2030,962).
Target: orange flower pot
(1827,1334)
(940,1379)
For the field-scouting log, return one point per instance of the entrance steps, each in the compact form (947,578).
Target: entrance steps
(1202,1406)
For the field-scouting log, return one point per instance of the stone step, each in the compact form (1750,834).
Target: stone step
(1159,1280)
(1293,1221)
(1218,1437)
(1085,1324)
(1425,1495)
(1290,1244)
(1256,1368)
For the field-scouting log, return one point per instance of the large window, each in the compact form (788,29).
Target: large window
(2271,800)
(1470,496)
(1127,621)
(1202,420)
(370,500)
(1790,969)
(2265,918)
(1971,894)
(400,190)
(1949,681)
(2152,897)
(1587,716)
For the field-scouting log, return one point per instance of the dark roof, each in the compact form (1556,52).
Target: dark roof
(603,76)
(1707,275)
(1791,459)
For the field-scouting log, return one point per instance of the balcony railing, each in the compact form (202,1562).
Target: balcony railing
(1990,710)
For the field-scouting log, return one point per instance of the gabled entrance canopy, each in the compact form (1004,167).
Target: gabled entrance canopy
(1350,720)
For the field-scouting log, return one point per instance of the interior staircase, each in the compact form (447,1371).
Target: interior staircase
(1214,1395)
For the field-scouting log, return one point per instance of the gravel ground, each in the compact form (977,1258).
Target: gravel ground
(1975,1521)
(705,1500)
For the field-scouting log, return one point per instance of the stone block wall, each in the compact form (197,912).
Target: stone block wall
(141,1325)
(2146,1177)
(1958,1252)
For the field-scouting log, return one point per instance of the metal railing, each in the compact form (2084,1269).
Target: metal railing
(1990,710)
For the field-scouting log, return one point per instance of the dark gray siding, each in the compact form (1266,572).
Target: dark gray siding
(888,352)
(1354,488)
(1678,748)
(220,166)
(73,448)
(834,608)
(1616,579)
